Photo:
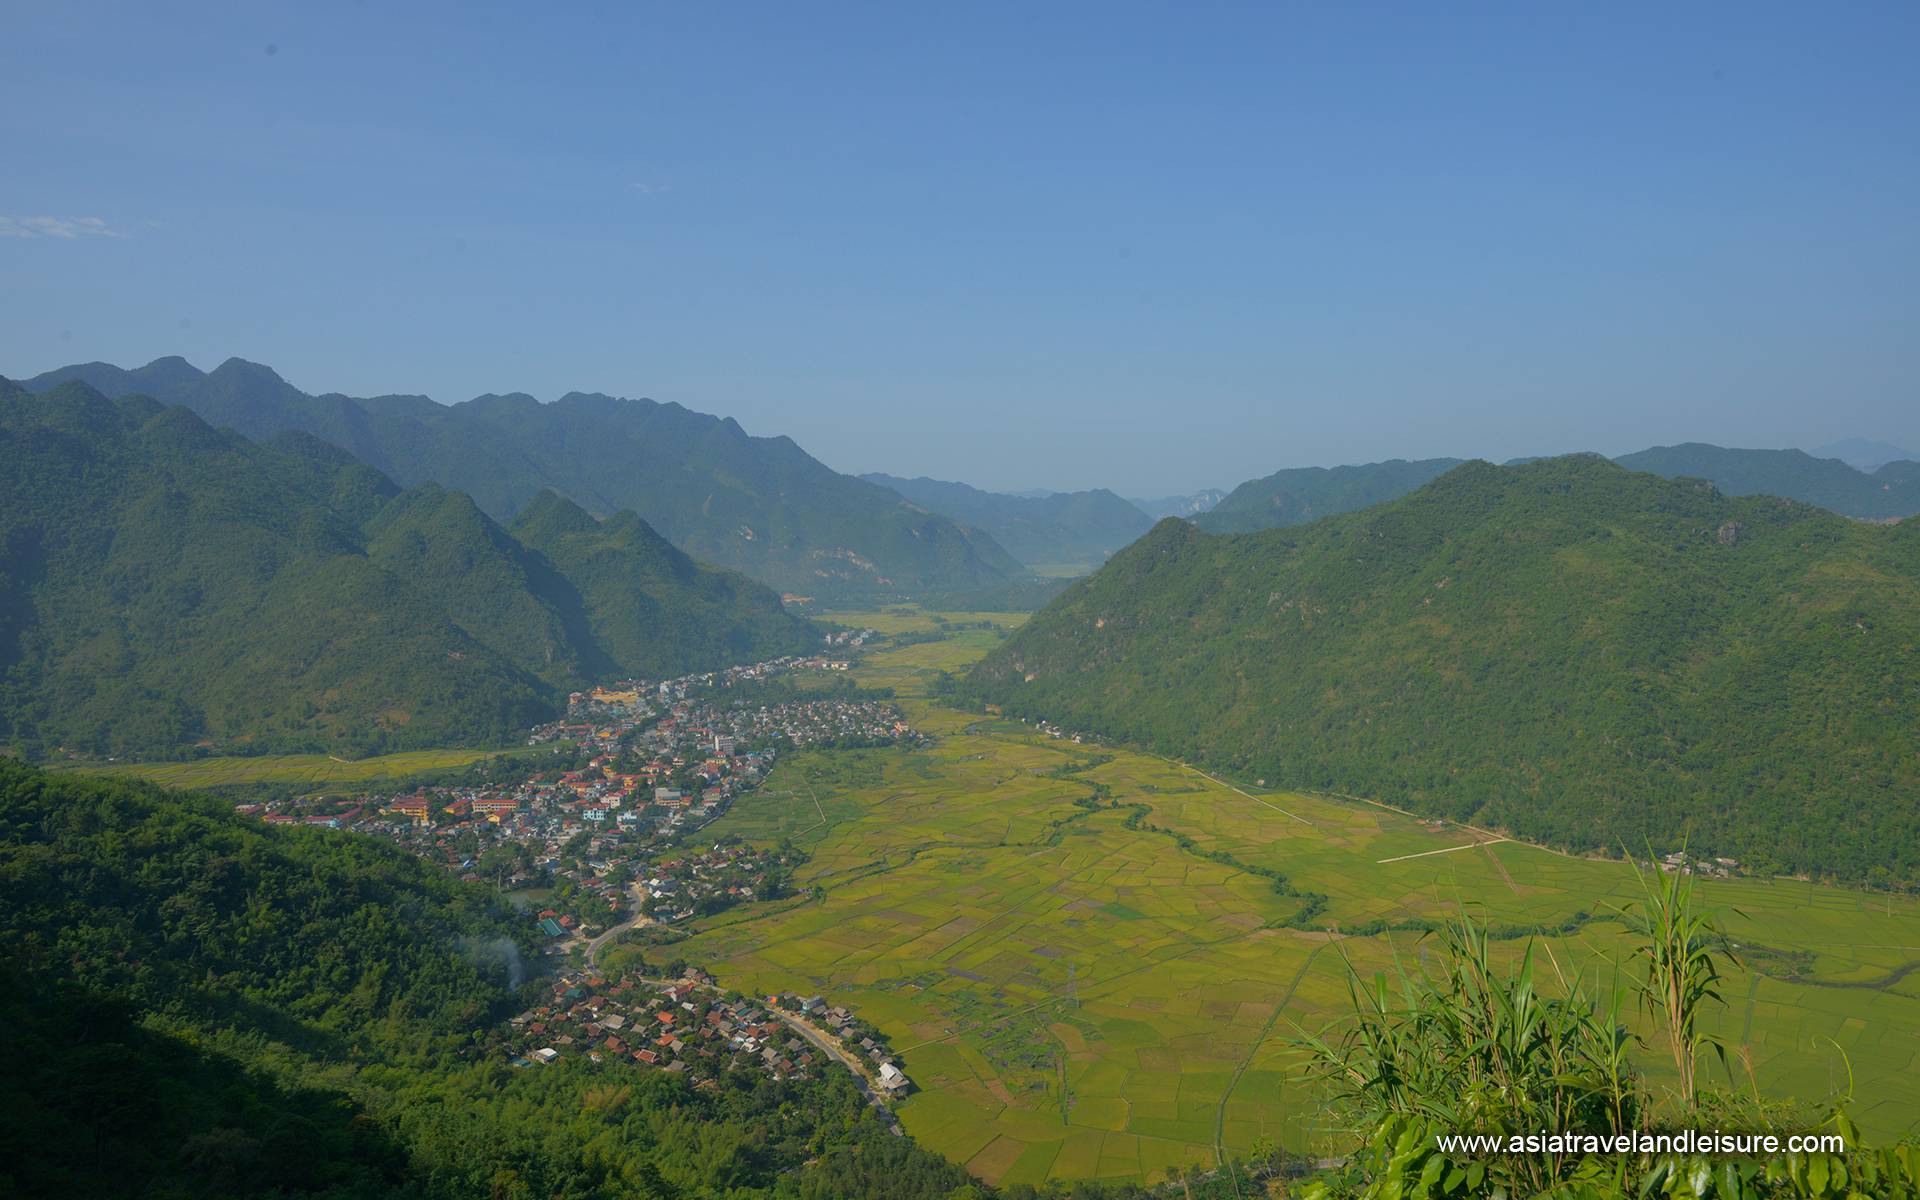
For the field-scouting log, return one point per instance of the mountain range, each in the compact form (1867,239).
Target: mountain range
(1299,495)
(1891,490)
(1572,651)
(760,505)
(166,584)
(1053,529)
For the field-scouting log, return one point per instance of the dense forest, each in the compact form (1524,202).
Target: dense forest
(760,505)
(195,1004)
(165,585)
(1892,490)
(1299,495)
(1302,494)
(1581,654)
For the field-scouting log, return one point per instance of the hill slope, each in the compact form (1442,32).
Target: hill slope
(757,504)
(1294,497)
(1578,653)
(196,1004)
(1302,494)
(1058,528)
(1891,491)
(166,583)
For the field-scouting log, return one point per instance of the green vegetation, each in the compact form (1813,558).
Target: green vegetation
(1295,497)
(760,505)
(1085,990)
(169,587)
(1891,491)
(317,769)
(1579,654)
(1066,533)
(198,1005)
(1302,494)
(1475,1048)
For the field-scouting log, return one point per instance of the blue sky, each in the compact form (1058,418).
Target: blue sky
(1152,247)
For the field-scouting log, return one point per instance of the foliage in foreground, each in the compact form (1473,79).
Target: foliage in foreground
(1475,1047)
(193,1004)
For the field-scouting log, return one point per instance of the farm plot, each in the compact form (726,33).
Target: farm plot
(1084,962)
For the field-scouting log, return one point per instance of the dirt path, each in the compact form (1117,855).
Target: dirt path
(1220,1114)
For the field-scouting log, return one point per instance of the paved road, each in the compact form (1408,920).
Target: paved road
(634,922)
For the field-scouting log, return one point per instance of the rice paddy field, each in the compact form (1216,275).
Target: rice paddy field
(292,768)
(1078,994)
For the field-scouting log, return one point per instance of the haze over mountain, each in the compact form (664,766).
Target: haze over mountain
(1892,490)
(1578,653)
(1301,494)
(167,583)
(1050,529)
(1188,505)
(761,505)
(1864,454)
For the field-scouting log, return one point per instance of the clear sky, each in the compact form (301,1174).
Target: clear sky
(1152,247)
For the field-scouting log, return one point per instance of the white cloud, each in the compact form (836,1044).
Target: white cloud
(56,227)
(649,189)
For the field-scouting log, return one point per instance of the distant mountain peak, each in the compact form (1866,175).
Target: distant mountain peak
(1864,454)
(696,479)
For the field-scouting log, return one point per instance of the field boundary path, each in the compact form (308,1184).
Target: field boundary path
(1220,1112)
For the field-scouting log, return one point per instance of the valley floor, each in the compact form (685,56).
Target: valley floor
(1108,992)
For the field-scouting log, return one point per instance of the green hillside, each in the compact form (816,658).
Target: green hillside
(760,505)
(1063,528)
(1294,497)
(1578,653)
(170,585)
(654,611)
(1891,491)
(196,1004)
(1302,494)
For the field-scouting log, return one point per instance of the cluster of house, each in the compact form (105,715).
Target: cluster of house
(856,1037)
(710,881)
(681,1025)
(688,1026)
(1718,868)
(808,722)
(631,702)
(664,761)
(1054,731)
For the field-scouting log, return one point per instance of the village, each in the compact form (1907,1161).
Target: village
(687,1025)
(610,843)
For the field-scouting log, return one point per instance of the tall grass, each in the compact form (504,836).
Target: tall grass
(1475,1047)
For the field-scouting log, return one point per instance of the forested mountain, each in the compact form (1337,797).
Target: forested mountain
(1581,654)
(761,505)
(1057,528)
(1891,491)
(1294,497)
(1302,494)
(196,1004)
(169,584)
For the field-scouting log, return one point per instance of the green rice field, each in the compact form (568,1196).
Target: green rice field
(293,768)
(1078,998)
